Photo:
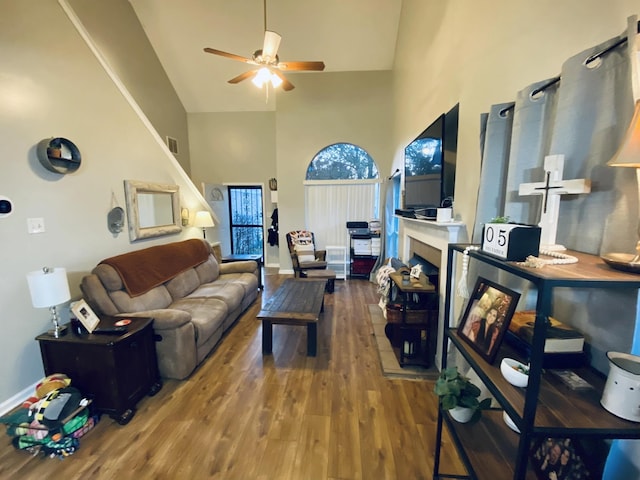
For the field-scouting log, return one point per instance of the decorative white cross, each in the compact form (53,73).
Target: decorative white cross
(551,189)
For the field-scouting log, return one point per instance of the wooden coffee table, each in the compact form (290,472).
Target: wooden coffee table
(326,274)
(296,302)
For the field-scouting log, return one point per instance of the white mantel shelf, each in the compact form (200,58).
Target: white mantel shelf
(437,235)
(452,225)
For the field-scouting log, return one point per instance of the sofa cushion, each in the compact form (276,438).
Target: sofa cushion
(228,292)
(248,281)
(155,298)
(183,284)
(163,318)
(207,315)
(209,270)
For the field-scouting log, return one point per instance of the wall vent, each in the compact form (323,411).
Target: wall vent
(172,143)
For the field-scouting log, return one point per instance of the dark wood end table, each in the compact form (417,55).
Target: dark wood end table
(117,370)
(416,332)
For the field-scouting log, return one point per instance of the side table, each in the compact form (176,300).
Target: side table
(116,370)
(239,257)
(415,330)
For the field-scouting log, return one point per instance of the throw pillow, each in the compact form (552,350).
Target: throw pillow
(305,253)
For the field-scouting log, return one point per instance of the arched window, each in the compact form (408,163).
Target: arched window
(341,185)
(342,161)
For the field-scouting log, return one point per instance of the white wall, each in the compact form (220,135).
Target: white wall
(117,32)
(52,85)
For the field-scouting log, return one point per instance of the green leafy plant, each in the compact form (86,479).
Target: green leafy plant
(456,390)
(499,220)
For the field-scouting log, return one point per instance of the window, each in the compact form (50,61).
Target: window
(342,161)
(246,219)
(341,185)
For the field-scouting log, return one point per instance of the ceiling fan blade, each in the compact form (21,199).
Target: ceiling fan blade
(242,76)
(286,84)
(232,56)
(314,66)
(271,44)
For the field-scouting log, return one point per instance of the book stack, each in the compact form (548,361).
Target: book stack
(563,347)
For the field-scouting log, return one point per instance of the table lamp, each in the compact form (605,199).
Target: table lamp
(628,155)
(203,219)
(49,288)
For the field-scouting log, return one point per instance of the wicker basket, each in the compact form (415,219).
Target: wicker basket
(394,315)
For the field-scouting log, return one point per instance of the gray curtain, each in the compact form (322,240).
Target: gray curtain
(582,116)
(495,158)
(532,122)
(595,105)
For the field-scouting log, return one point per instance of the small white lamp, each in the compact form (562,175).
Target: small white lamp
(49,288)
(628,155)
(203,220)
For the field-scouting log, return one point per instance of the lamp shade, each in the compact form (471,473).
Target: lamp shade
(48,287)
(203,219)
(628,155)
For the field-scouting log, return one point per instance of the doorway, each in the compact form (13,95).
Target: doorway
(246,220)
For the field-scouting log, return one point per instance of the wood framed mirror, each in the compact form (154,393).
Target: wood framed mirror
(153,209)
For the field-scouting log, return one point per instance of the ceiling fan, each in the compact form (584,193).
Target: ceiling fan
(267,59)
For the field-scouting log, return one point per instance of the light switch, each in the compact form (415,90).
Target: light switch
(35,225)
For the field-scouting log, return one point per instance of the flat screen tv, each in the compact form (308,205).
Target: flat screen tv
(430,164)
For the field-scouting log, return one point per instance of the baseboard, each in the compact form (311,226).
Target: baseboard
(17,399)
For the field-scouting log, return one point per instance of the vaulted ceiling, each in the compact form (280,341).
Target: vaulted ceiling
(348,35)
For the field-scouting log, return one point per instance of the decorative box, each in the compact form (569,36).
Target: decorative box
(512,242)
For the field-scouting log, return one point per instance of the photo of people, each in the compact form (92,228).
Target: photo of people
(557,459)
(486,317)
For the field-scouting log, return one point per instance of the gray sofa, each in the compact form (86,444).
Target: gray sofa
(192,297)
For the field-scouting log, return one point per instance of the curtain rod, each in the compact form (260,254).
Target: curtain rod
(394,174)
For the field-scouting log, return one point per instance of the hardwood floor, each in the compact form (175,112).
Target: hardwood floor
(285,416)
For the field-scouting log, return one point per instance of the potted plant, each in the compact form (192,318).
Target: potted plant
(458,395)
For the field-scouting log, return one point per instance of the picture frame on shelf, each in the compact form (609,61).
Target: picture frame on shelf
(561,458)
(487,316)
(85,315)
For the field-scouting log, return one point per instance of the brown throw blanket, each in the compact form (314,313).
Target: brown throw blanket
(145,269)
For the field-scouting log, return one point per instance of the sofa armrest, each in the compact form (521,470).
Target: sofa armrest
(243,266)
(163,319)
(320,255)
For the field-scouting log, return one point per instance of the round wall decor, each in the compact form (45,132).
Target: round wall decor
(59,155)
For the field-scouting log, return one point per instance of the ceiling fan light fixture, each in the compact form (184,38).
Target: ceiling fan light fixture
(276,81)
(261,77)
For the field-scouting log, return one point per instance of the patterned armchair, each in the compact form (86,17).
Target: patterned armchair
(304,255)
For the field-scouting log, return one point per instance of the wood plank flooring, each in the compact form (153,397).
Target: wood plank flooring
(286,416)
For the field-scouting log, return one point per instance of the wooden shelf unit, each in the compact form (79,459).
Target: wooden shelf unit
(546,407)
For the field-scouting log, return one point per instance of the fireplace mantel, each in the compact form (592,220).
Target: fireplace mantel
(437,235)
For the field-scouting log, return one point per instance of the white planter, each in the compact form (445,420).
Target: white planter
(461,414)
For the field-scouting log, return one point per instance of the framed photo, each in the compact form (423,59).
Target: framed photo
(487,317)
(559,458)
(83,312)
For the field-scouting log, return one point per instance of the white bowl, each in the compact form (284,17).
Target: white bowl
(509,422)
(510,369)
